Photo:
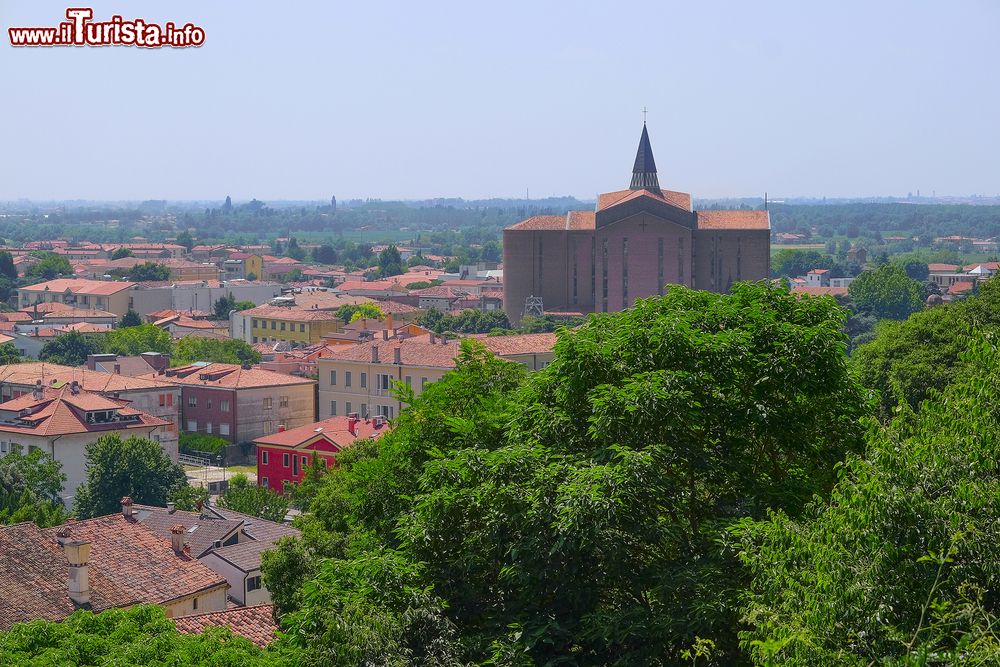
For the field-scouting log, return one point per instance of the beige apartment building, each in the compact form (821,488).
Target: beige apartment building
(111,296)
(359,378)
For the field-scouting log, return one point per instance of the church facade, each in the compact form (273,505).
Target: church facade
(632,245)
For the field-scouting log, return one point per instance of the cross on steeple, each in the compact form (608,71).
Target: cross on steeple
(643,115)
(644,171)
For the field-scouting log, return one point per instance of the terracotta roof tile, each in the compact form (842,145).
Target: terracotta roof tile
(336,430)
(678,199)
(55,375)
(733,220)
(254,623)
(226,375)
(80,286)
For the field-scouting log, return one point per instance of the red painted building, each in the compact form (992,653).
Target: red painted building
(284,456)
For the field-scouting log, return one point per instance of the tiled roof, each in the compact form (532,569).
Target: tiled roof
(128,565)
(733,220)
(77,313)
(539,222)
(16,317)
(47,307)
(960,288)
(55,375)
(990,266)
(538,343)
(415,351)
(200,533)
(254,623)
(820,291)
(263,534)
(819,271)
(226,375)
(292,314)
(83,327)
(80,286)
(60,412)
(942,268)
(678,199)
(335,429)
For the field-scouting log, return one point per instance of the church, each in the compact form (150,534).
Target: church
(630,246)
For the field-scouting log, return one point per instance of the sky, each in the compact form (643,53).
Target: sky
(411,100)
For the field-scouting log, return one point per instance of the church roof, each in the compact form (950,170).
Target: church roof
(644,170)
(733,220)
(678,199)
(571,221)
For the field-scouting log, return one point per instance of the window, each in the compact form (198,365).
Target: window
(192,402)
(223,406)
(364,380)
(384,410)
(409,381)
(295,465)
(333,378)
(254,323)
(267,403)
(194,604)
(263,457)
(3,447)
(223,429)
(383,381)
(347,408)
(283,402)
(255,339)
(273,324)
(282,326)
(284,460)
(333,408)
(253,583)
(208,428)
(423,383)
(302,328)
(347,378)
(267,427)
(170,399)
(208,404)
(263,482)
(305,461)
(364,410)
(163,400)
(625,272)
(192,426)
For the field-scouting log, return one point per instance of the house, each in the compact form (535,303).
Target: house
(153,397)
(62,422)
(818,278)
(254,623)
(283,457)
(195,295)
(299,326)
(239,404)
(228,542)
(99,564)
(359,378)
(104,295)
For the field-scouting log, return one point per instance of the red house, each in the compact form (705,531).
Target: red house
(284,456)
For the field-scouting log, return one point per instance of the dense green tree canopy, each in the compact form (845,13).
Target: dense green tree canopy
(138,339)
(121,253)
(245,496)
(887,292)
(29,488)
(584,511)
(49,267)
(129,319)
(226,351)
(118,467)
(899,566)
(148,272)
(71,349)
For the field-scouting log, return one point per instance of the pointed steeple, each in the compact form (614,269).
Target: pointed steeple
(644,171)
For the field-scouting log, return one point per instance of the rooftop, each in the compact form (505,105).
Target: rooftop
(254,623)
(226,375)
(336,429)
(80,286)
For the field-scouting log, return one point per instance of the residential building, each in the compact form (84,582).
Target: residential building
(254,623)
(818,278)
(637,241)
(359,378)
(111,296)
(140,364)
(284,457)
(299,326)
(99,564)
(153,397)
(62,422)
(197,295)
(229,543)
(240,404)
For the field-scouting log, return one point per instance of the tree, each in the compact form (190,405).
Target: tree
(248,498)
(134,467)
(149,272)
(9,354)
(185,239)
(227,351)
(135,340)
(129,319)
(138,636)
(70,349)
(222,307)
(350,312)
(913,266)
(49,267)
(583,513)
(189,498)
(227,206)
(390,263)
(121,253)
(7,268)
(899,565)
(294,251)
(294,276)
(324,254)
(29,488)
(887,292)
(251,276)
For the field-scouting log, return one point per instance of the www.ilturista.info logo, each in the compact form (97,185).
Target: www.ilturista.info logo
(80,30)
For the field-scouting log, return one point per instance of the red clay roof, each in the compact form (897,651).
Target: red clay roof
(678,199)
(733,220)
(80,286)
(254,623)
(60,412)
(231,376)
(128,565)
(943,268)
(820,291)
(292,313)
(335,429)
(54,375)
(539,343)
(960,288)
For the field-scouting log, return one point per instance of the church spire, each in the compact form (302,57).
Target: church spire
(644,171)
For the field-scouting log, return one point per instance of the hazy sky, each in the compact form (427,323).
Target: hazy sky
(304,99)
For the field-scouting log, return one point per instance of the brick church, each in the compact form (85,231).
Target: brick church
(634,243)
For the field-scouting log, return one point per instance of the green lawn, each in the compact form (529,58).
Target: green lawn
(243,469)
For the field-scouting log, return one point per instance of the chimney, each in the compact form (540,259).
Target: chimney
(171,508)
(78,554)
(433,338)
(388,321)
(118,369)
(385,334)
(177,538)
(126,507)
(38,393)
(397,355)
(352,421)
(374,354)
(91,362)
(74,387)
(281,428)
